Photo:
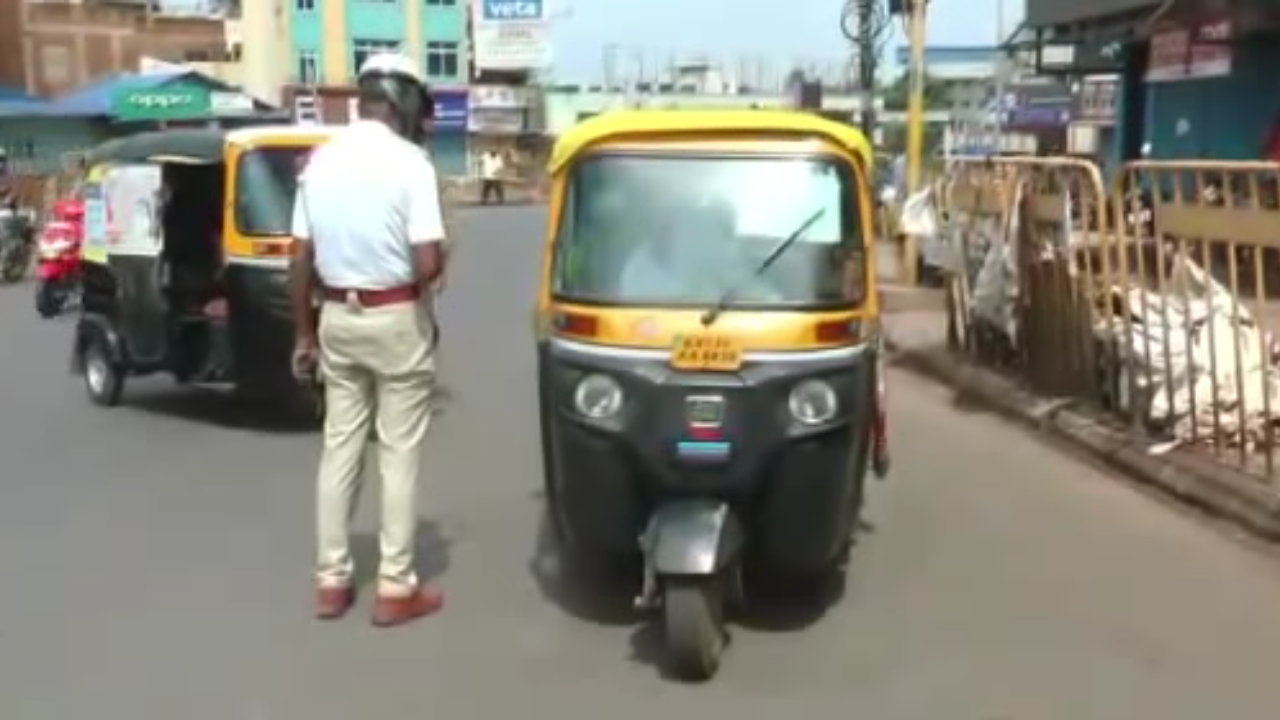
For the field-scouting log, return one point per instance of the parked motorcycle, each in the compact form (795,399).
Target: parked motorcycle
(17,242)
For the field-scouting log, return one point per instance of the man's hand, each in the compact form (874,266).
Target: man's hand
(306,358)
(440,282)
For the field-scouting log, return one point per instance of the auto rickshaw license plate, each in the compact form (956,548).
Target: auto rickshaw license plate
(707,353)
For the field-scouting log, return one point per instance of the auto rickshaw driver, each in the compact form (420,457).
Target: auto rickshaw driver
(681,256)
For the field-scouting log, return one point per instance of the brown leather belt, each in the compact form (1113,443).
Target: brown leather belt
(374,298)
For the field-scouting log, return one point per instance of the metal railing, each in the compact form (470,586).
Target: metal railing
(1156,298)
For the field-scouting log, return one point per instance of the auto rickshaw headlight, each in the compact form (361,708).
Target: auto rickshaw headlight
(598,397)
(813,402)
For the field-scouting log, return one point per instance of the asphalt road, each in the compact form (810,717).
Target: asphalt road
(155,558)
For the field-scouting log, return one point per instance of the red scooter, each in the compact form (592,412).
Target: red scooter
(58,264)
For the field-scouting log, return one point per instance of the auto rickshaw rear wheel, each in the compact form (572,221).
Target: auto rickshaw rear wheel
(103,376)
(693,625)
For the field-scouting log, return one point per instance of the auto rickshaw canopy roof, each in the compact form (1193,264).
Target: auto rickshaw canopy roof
(189,145)
(197,146)
(616,124)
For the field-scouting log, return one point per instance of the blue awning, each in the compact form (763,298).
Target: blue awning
(23,108)
(16,103)
(8,93)
(94,100)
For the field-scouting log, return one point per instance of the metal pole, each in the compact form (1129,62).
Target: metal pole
(1001,69)
(867,65)
(915,128)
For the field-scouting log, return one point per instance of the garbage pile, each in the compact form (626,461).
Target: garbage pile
(1186,361)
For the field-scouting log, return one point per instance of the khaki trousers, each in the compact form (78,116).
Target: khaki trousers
(374,361)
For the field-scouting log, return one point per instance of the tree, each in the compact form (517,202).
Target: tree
(897,93)
(794,78)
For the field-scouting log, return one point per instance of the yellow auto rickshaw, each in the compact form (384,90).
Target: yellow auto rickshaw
(186,253)
(709,358)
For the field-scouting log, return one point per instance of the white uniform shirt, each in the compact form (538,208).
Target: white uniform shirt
(365,198)
(490,166)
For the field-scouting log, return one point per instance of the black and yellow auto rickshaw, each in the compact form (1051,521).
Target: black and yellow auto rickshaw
(186,252)
(709,362)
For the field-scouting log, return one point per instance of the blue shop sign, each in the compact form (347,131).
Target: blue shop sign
(499,10)
(451,109)
(1037,106)
(1040,116)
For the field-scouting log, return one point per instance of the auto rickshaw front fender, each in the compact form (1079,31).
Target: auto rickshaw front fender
(93,327)
(692,537)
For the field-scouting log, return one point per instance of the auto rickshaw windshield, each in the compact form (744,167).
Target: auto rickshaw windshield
(266,183)
(681,231)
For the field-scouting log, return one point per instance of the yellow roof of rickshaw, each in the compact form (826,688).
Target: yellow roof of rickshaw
(258,133)
(618,123)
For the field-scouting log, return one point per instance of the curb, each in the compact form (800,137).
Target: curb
(1220,491)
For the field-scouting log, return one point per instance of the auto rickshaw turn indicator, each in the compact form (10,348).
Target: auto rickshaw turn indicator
(709,395)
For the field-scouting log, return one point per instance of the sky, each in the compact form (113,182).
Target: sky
(786,31)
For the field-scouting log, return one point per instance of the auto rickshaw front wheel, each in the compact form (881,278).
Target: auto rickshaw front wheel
(103,376)
(693,624)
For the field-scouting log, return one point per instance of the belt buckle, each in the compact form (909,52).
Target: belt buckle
(353,300)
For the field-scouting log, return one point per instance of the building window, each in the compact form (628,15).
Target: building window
(308,67)
(442,3)
(305,5)
(362,50)
(442,60)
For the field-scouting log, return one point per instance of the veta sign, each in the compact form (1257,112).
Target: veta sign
(499,10)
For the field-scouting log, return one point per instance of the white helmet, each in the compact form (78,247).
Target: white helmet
(395,79)
(391,63)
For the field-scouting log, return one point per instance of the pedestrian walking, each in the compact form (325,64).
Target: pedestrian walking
(491,169)
(369,237)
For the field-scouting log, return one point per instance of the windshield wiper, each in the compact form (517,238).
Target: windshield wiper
(722,304)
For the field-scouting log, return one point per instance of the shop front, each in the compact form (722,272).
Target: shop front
(337,105)
(506,118)
(1196,78)
(449,139)
(499,116)
(1093,118)
(1040,112)
(1210,92)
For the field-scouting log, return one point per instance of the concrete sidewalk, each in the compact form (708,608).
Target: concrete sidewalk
(916,336)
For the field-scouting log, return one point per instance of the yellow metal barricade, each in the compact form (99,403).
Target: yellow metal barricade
(1031,236)
(1200,303)
(1157,298)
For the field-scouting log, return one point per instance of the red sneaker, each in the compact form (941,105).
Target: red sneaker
(333,602)
(393,610)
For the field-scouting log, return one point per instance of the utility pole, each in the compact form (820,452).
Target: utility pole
(915,126)
(609,66)
(860,22)
(1002,72)
(867,61)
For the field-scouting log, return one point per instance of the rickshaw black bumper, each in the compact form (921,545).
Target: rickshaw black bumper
(796,486)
